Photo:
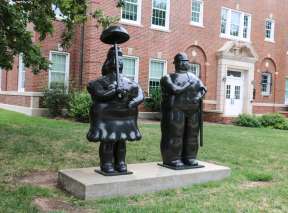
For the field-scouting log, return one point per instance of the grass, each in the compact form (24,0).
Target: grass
(39,144)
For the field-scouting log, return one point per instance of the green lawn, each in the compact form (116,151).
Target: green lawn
(258,159)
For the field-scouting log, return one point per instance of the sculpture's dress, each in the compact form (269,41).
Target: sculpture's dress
(112,119)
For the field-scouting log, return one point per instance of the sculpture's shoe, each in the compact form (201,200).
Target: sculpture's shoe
(108,168)
(190,162)
(175,163)
(121,167)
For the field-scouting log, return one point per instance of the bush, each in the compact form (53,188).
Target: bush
(79,105)
(247,121)
(153,103)
(274,120)
(55,99)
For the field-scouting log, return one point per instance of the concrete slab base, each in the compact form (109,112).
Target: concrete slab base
(86,184)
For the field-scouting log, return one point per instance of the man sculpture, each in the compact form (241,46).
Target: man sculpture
(182,94)
(113,115)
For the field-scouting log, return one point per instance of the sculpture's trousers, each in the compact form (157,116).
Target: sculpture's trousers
(111,153)
(180,133)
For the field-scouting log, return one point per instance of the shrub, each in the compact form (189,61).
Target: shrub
(79,105)
(247,121)
(55,99)
(154,101)
(274,120)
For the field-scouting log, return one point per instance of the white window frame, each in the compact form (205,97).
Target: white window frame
(21,73)
(167,19)
(136,77)
(286,91)
(272,31)
(200,23)
(138,21)
(67,71)
(269,83)
(164,71)
(227,35)
(58,14)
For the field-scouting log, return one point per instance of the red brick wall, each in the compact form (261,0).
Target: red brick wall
(16,100)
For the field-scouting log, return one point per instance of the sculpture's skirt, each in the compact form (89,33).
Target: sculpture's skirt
(113,131)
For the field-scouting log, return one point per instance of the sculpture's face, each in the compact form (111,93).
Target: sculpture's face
(181,66)
(111,64)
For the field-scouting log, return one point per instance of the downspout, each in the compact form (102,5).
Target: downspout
(81,56)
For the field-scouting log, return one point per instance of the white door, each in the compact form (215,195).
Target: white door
(234,93)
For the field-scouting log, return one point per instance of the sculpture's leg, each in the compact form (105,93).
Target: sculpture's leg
(190,142)
(120,154)
(106,157)
(172,127)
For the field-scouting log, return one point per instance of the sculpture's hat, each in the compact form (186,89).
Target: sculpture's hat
(180,57)
(114,35)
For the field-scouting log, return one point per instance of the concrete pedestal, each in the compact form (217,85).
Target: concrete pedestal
(147,177)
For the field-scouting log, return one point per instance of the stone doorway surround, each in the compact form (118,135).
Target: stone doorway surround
(235,55)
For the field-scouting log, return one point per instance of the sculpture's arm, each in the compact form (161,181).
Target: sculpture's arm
(98,92)
(167,83)
(138,99)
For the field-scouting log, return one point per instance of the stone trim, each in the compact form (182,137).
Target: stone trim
(269,105)
(16,93)
(25,110)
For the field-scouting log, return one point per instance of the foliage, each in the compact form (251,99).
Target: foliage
(79,105)
(153,102)
(56,99)
(274,120)
(17,18)
(247,121)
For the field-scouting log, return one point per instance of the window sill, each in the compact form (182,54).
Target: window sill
(195,24)
(265,95)
(269,40)
(162,29)
(225,36)
(130,23)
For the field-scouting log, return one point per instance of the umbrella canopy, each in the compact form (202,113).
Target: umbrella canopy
(114,35)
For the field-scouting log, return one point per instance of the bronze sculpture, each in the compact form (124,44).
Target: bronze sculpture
(181,123)
(113,115)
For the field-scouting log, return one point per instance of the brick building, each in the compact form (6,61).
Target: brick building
(238,48)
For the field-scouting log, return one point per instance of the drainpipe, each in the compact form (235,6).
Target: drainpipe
(81,56)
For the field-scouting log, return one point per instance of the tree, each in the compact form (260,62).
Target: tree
(16,15)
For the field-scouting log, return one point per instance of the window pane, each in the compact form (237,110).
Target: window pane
(157,70)
(245,26)
(57,77)
(268,31)
(237,92)
(153,84)
(224,20)
(196,10)
(228,91)
(195,68)
(159,12)
(129,66)
(129,11)
(59,63)
(235,23)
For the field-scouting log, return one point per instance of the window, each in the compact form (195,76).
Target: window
(235,24)
(131,67)
(269,30)
(131,12)
(59,70)
(286,92)
(266,84)
(21,74)
(157,70)
(58,14)
(197,13)
(160,14)
(195,68)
